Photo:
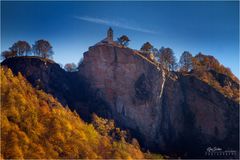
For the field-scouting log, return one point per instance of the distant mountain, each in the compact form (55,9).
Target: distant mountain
(34,125)
(179,114)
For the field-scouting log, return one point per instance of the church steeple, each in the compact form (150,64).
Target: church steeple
(110,34)
(108,39)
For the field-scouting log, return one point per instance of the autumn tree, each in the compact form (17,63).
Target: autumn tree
(185,62)
(208,69)
(43,48)
(103,126)
(34,125)
(123,40)
(8,54)
(206,63)
(107,127)
(21,48)
(70,67)
(167,58)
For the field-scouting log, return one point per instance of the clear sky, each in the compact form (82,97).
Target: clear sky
(209,27)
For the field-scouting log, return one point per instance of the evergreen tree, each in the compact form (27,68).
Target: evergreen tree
(123,40)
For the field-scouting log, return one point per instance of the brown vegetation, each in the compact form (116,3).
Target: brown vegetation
(209,70)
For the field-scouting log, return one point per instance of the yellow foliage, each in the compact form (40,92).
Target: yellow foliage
(35,125)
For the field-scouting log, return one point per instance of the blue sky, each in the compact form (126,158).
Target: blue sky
(209,27)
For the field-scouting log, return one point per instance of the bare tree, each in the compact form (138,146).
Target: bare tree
(167,59)
(185,62)
(21,48)
(8,54)
(43,48)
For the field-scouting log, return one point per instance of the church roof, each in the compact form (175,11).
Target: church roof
(107,40)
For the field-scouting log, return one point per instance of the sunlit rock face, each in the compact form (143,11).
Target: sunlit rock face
(129,84)
(169,113)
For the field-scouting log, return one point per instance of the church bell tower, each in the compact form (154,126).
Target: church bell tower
(110,35)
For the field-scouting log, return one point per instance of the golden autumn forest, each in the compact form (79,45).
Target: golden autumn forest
(35,125)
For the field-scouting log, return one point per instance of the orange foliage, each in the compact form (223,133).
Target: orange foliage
(202,64)
(35,125)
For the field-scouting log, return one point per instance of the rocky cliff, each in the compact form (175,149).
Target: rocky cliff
(69,88)
(171,113)
(131,86)
(168,112)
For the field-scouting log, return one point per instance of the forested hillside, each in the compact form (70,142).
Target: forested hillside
(35,125)
(208,69)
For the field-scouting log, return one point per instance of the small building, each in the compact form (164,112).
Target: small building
(108,39)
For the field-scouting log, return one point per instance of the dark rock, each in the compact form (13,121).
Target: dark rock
(69,88)
(143,88)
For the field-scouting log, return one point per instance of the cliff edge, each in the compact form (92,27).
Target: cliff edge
(171,113)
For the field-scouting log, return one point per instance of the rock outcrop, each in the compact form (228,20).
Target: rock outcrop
(130,85)
(171,113)
(69,88)
(168,112)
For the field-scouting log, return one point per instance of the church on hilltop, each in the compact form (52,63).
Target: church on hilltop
(108,39)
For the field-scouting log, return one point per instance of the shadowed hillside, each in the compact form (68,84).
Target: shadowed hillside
(69,88)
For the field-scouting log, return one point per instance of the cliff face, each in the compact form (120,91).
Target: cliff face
(130,85)
(194,116)
(174,114)
(171,113)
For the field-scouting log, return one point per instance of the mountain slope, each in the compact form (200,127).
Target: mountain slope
(35,125)
(173,113)
(68,87)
